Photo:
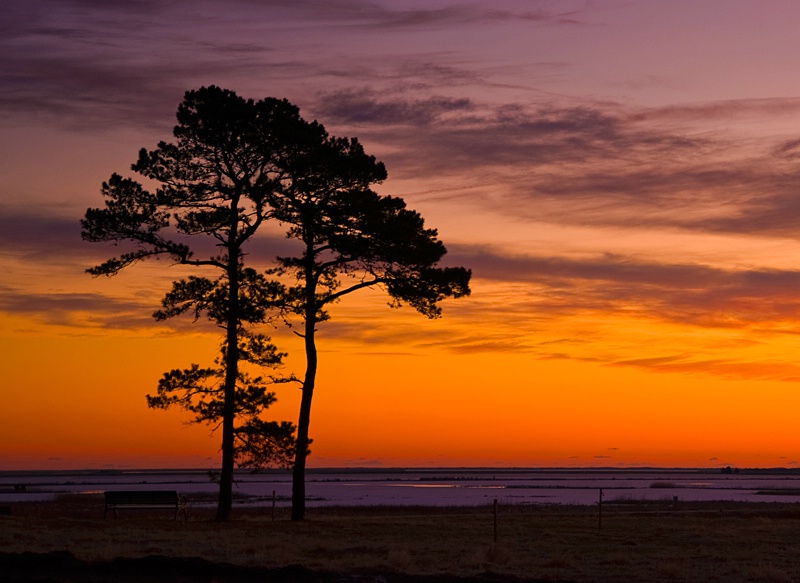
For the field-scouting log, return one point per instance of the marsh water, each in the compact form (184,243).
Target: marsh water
(426,487)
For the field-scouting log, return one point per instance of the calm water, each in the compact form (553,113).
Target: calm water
(425,487)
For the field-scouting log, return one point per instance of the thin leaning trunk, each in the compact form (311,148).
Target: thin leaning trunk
(301,453)
(299,472)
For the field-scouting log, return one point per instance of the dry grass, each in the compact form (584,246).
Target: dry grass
(639,542)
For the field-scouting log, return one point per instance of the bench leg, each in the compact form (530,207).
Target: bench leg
(181,509)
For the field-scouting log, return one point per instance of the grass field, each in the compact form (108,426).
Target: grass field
(638,541)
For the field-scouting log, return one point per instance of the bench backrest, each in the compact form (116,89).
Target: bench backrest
(141,497)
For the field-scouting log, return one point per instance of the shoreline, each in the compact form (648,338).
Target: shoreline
(427,486)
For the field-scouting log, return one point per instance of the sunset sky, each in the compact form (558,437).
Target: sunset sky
(621,177)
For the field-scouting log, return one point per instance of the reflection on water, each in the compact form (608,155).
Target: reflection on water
(440,486)
(424,485)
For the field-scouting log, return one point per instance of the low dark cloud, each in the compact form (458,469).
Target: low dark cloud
(83,310)
(46,238)
(522,138)
(373,14)
(392,18)
(721,367)
(552,293)
(46,244)
(789,148)
(518,155)
(41,237)
(686,293)
(770,209)
(509,135)
(363,462)
(72,63)
(598,164)
(350,107)
(717,111)
(92,66)
(88,65)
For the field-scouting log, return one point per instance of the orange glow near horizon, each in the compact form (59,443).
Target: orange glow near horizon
(416,407)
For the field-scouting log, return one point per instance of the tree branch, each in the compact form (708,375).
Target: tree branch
(364,284)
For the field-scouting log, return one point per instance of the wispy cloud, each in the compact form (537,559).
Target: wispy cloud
(716,111)
(592,164)
(378,14)
(437,118)
(41,237)
(350,107)
(80,310)
(722,367)
(511,139)
(548,287)
(85,64)
(687,293)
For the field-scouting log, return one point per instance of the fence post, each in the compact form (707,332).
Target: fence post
(495,521)
(600,511)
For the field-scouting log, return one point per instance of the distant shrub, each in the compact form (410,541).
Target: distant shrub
(663,485)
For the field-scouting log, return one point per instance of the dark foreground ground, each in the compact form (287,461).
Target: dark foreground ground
(63,567)
(68,541)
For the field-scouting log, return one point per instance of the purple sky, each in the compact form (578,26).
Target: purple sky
(620,176)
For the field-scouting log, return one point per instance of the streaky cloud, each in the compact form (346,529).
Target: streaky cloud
(92,312)
(721,110)
(40,237)
(377,14)
(721,367)
(687,293)
(598,164)
(357,108)
(81,310)
(47,237)
(509,139)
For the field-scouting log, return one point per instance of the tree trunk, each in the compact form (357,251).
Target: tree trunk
(225,502)
(299,472)
(301,453)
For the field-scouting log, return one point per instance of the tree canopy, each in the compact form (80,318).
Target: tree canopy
(235,165)
(213,186)
(352,238)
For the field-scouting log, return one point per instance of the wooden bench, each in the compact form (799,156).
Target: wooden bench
(145,499)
